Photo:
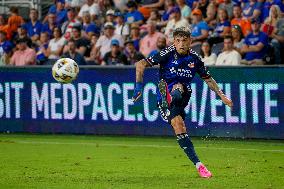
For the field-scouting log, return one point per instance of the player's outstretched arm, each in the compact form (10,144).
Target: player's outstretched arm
(140,68)
(214,86)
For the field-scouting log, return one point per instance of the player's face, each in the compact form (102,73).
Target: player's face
(182,44)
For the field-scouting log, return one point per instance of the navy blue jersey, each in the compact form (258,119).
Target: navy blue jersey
(176,68)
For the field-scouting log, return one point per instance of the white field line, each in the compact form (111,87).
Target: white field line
(143,145)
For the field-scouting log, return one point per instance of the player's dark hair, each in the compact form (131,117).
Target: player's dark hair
(181,32)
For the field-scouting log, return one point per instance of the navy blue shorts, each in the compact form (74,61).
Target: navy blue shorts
(176,108)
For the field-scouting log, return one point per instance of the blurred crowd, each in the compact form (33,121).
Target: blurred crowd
(120,32)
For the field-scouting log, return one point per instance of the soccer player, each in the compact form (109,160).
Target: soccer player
(178,65)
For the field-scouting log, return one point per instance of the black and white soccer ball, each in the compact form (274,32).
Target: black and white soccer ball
(65,70)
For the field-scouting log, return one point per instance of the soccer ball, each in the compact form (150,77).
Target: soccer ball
(65,70)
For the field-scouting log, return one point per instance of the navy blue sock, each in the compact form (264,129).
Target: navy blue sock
(176,96)
(186,144)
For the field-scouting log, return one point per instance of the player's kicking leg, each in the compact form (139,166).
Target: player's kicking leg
(172,105)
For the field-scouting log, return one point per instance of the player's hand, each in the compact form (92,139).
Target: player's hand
(227,101)
(137,91)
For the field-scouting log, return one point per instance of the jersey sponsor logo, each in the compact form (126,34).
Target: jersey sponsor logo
(167,50)
(181,72)
(191,65)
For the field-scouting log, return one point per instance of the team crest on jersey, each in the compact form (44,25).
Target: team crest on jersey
(191,65)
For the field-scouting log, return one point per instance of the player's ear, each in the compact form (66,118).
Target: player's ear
(190,40)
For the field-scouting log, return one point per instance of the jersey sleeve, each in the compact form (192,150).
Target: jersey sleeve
(161,57)
(202,70)
(154,59)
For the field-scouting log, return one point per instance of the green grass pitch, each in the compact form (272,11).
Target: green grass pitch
(120,162)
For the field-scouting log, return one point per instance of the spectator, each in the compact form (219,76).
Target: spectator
(23,55)
(255,45)
(135,36)
(228,6)
(200,29)
(229,56)
(91,7)
(91,30)
(207,56)
(55,45)
(251,10)
(115,56)
(5,59)
(41,50)
(192,3)
(22,32)
(278,40)
(211,16)
(14,20)
(82,43)
(185,10)
(4,27)
(169,5)
(121,28)
(104,42)
(267,6)
(131,53)
(156,17)
(242,22)
(73,54)
(238,40)
(133,15)
(67,26)
(148,42)
(222,29)
(50,25)
(271,21)
(110,16)
(93,40)
(202,6)
(2,22)
(89,27)
(176,22)
(161,44)
(34,26)
(3,42)
(153,4)
(52,9)
(61,13)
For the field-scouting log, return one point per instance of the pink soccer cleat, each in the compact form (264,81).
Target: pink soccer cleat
(203,172)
